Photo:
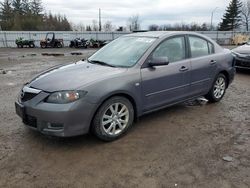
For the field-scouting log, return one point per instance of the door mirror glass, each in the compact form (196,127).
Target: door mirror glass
(158,61)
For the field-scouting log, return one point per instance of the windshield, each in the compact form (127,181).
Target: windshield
(123,52)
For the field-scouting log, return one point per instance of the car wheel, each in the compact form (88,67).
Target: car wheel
(31,45)
(59,45)
(43,45)
(218,89)
(113,119)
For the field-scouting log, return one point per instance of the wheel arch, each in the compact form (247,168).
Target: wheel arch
(226,74)
(120,94)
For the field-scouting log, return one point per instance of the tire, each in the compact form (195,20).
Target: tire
(43,45)
(31,45)
(59,45)
(218,89)
(108,125)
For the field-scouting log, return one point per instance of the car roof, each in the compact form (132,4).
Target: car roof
(159,34)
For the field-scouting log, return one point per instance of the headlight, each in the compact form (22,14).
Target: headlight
(63,97)
(236,54)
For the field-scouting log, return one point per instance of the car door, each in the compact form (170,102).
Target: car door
(203,63)
(162,85)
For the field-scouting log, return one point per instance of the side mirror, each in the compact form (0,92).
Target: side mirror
(158,61)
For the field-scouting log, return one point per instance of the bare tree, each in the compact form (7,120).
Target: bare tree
(153,27)
(95,25)
(245,14)
(134,23)
(79,27)
(108,26)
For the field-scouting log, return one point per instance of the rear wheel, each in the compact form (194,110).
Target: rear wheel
(113,119)
(218,89)
(43,45)
(59,45)
(32,45)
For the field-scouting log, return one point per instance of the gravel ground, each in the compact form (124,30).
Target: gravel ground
(187,145)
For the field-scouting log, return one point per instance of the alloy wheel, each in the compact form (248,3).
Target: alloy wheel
(219,87)
(115,119)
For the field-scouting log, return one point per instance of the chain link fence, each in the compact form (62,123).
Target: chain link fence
(7,38)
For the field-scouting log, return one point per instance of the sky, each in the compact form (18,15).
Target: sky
(150,11)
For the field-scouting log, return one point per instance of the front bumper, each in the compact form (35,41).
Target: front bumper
(243,63)
(231,73)
(63,120)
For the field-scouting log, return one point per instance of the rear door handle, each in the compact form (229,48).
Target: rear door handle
(183,69)
(212,62)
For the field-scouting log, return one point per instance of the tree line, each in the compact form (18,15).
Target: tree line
(236,16)
(28,15)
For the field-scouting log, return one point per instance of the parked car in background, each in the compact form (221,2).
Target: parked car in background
(242,56)
(51,42)
(21,42)
(131,76)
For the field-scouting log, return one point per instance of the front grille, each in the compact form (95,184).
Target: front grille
(30,121)
(242,63)
(25,96)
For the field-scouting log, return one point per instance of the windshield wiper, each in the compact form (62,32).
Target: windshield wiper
(100,63)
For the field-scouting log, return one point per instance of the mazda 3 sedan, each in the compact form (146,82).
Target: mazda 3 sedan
(131,76)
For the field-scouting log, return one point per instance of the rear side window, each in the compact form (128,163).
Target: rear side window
(199,47)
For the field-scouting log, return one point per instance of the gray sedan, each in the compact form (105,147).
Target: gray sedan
(131,76)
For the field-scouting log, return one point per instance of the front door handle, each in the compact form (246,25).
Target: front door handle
(183,69)
(212,62)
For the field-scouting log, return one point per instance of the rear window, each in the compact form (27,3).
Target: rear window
(200,47)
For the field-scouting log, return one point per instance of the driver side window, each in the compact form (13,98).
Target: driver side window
(173,48)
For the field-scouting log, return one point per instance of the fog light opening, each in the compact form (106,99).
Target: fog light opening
(55,126)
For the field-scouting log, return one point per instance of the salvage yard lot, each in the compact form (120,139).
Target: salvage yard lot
(188,145)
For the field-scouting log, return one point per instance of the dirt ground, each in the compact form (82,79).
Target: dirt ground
(182,146)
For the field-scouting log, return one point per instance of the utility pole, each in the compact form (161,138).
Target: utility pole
(212,16)
(100,20)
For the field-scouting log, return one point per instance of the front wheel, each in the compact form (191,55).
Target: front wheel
(218,89)
(113,119)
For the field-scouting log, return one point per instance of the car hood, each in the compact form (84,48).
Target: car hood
(73,76)
(245,49)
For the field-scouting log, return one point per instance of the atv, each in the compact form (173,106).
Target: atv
(20,42)
(79,43)
(51,42)
(97,43)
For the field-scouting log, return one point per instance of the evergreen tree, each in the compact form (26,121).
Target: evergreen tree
(36,7)
(232,17)
(17,15)
(26,7)
(6,13)
(27,15)
(17,7)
